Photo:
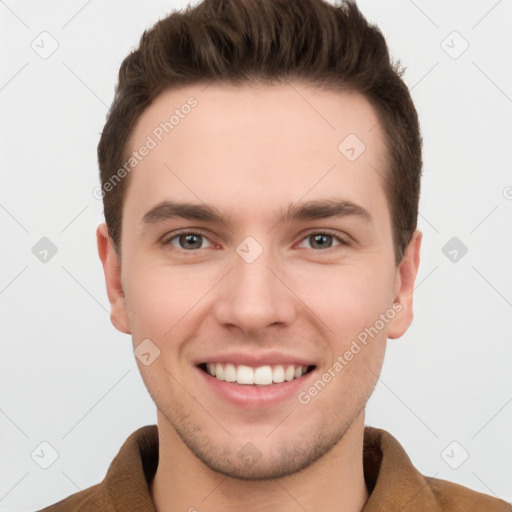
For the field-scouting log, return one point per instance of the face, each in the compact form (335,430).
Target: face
(257,246)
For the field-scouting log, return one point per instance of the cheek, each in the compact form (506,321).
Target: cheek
(347,298)
(151,303)
(161,299)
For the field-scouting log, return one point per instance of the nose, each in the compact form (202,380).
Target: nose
(255,294)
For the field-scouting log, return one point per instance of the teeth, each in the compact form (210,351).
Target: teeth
(278,374)
(245,375)
(261,376)
(230,373)
(289,374)
(219,371)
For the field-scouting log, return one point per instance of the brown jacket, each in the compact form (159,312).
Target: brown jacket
(393,482)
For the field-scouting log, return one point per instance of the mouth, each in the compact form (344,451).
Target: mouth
(260,376)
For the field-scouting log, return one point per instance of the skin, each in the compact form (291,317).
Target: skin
(251,151)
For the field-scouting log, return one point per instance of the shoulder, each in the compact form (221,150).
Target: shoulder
(126,483)
(454,498)
(392,478)
(91,499)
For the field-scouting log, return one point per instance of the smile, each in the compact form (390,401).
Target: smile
(265,375)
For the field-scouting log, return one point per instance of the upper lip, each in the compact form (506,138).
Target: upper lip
(256,360)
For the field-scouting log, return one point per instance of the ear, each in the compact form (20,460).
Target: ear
(404,287)
(112,270)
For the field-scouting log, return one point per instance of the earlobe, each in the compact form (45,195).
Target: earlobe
(112,271)
(405,279)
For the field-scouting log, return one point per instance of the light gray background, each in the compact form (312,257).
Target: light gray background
(70,379)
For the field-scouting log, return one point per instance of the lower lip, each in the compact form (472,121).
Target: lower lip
(251,396)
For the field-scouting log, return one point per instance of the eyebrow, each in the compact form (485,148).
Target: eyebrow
(310,210)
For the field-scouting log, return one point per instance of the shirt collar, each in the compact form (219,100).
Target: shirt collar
(392,481)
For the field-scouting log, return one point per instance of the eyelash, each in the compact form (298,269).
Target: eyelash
(167,240)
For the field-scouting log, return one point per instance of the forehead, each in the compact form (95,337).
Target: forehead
(242,145)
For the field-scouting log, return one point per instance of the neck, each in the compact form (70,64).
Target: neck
(333,483)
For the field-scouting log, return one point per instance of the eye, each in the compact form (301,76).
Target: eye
(190,241)
(187,240)
(323,240)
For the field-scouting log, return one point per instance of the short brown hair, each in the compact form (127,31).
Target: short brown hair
(269,41)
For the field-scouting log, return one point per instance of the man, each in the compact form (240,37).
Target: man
(261,171)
